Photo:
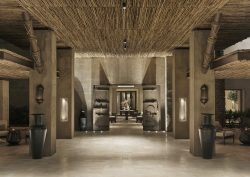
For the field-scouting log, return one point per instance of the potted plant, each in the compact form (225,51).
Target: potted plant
(245,119)
(245,127)
(245,137)
(229,118)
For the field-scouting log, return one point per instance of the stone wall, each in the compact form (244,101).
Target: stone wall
(87,74)
(125,70)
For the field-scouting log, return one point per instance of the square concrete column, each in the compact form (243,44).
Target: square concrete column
(180,93)
(65,94)
(161,81)
(169,123)
(47,45)
(4,102)
(198,43)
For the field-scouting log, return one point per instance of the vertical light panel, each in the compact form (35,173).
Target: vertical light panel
(64,110)
(182,109)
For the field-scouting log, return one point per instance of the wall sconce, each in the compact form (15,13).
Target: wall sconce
(204,94)
(39,94)
(57,74)
(182,109)
(64,113)
(125,44)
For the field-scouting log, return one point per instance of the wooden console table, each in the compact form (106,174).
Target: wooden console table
(127,113)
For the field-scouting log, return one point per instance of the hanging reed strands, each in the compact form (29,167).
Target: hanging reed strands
(208,56)
(153,27)
(33,42)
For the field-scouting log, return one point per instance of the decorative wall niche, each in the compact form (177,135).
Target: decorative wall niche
(182,109)
(64,110)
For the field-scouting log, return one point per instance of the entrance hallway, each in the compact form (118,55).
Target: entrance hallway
(125,151)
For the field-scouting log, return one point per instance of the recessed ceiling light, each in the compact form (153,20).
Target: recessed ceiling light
(125,86)
(124,5)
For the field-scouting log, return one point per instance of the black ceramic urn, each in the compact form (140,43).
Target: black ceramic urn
(207,136)
(37,136)
(83,121)
(13,137)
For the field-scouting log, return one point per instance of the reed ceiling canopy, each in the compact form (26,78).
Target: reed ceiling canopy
(150,27)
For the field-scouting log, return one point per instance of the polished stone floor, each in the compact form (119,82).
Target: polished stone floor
(125,151)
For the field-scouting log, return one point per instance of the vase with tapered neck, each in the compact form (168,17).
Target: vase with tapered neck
(38,133)
(207,136)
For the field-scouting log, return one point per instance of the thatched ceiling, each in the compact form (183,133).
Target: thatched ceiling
(151,27)
(12,24)
(235,65)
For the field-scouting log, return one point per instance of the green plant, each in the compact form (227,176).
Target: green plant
(246,113)
(232,95)
(233,118)
(245,119)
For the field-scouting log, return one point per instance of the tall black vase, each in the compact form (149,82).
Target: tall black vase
(37,136)
(207,136)
(83,121)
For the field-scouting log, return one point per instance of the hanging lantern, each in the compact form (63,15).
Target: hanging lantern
(204,94)
(39,93)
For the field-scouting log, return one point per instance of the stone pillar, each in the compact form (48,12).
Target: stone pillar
(47,45)
(180,93)
(65,92)
(161,81)
(198,43)
(4,102)
(169,123)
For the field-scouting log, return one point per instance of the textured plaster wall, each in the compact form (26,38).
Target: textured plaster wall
(125,70)
(83,73)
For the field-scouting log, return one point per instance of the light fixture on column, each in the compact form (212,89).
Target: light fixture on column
(57,74)
(204,94)
(182,109)
(125,44)
(39,93)
(64,110)
(124,4)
